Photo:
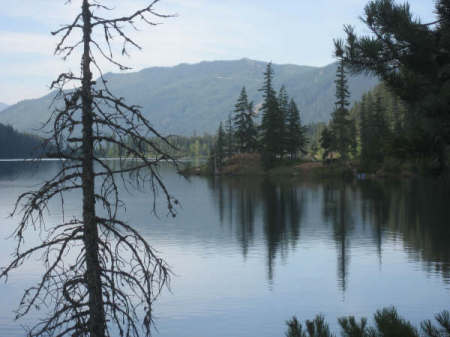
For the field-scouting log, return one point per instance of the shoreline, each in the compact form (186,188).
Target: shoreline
(301,169)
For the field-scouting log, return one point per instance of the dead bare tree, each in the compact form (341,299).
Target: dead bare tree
(115,275)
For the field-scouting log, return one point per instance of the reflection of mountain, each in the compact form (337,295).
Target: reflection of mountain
(366,211)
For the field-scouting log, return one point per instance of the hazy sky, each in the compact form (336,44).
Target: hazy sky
(282,31)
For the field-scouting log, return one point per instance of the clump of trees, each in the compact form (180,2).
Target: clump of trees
(405,118)
(412,59)
(176,146)
(387,129)
(387,323)
(280,135)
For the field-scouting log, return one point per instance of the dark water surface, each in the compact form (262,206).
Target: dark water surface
(248,253)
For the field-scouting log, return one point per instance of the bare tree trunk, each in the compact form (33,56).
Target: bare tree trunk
(93,277)
(114,265)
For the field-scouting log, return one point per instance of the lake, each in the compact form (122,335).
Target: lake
(248,253)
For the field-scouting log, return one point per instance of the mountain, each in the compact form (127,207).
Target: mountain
(192,98)
(3,106)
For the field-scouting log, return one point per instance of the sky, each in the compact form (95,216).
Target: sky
(282,31)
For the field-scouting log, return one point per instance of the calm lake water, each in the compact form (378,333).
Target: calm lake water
(248,253)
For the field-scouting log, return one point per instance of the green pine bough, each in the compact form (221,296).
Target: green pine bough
(387,323)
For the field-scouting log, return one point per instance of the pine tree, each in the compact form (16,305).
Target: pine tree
(244,126)
(374,131)
(364,130)
(381,132)
(283,105)
(229,137)
(270,125)
(295,132)
(341,123)
(326,142)
(252,130)
(219,149)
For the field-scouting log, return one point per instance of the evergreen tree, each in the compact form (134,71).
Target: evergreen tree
(326,142)
(229,134)
(341,124)
(374,130)
(364,130)
(283,106)
(396,116)
(252,130)
(270,126)
(295,132)
(245,130)
(380,129)
(219,149)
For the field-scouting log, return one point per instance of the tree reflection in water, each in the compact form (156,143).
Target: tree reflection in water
(337,211)
(415,212)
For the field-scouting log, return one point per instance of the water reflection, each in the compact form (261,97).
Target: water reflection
(244,201)
(353,213)
(249,248)
(338,212)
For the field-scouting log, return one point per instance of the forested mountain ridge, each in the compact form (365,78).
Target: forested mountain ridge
(17,145)
(192,98)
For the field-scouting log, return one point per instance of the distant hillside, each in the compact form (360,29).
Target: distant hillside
(3,106)
(17,145)
(195,97)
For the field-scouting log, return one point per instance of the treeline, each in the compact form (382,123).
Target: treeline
(390,130)
(387,323)
(280,134)
(17,145)
(176,146)
(379,131)
(413,59)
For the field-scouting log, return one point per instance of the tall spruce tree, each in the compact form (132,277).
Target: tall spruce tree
(327,142)
(229,137)
(271,125)
(219,149)
(283,106)
(374,130)
(245,131)
(252,130)
(295,132)
(364,131)
(341,123)
(380,129)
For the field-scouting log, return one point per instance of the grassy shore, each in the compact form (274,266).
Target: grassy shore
(249,164)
